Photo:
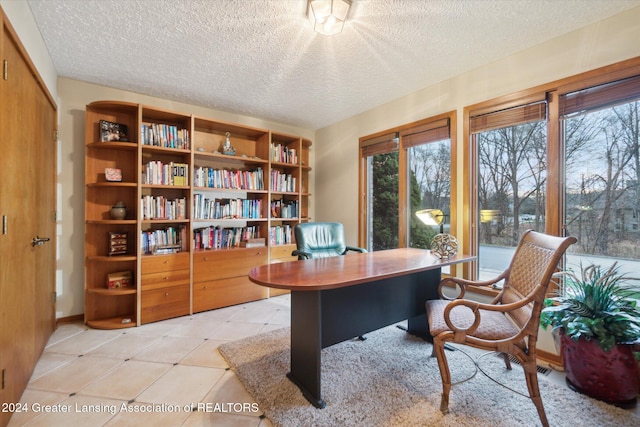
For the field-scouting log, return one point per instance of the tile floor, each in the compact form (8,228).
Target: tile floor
(166,373)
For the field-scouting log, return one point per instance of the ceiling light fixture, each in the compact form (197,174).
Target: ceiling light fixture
(328,16)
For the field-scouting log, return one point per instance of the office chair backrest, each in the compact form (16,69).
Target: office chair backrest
(320,239)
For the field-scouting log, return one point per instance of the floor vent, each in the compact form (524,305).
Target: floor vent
(540,369)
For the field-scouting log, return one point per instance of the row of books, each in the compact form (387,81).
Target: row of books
(220,238)
(163,135)
(159,207)
(163,241)
(280,235)
(283,154)
(205,208)
(284,209)
(232,179)
(156,172)
(282,182)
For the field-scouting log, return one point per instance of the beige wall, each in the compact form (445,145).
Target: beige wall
(335,147)
(75,95)
(602,43)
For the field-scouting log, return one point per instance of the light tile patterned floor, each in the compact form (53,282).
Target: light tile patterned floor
(166,373)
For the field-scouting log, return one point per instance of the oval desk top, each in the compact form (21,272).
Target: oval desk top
(347,270)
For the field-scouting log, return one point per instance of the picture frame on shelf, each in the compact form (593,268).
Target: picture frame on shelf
(113,132)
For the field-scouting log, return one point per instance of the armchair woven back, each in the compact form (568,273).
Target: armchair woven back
(531,270)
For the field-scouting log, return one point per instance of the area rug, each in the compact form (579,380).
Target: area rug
(389,379)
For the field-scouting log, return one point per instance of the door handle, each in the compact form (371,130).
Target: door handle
(39,241)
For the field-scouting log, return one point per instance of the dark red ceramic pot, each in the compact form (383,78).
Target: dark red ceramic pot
(611,377)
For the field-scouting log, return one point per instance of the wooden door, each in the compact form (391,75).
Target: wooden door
(27,207)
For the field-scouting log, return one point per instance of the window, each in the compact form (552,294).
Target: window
(381,157)
(404,170)
(429,180)
(511,152)
(600,127)
(563,158)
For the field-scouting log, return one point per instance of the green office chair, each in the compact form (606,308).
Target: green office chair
(321,240)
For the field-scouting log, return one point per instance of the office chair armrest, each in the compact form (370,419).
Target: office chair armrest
(354,249)
(301,254)
(462,284)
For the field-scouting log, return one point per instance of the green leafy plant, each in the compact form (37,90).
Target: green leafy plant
(596,304)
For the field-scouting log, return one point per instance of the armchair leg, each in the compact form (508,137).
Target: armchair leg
(438,346)
(531,374)
(507,362)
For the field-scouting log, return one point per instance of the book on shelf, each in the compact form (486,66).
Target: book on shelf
(174,237)
(253,243)
(167,249)
(229,179)
(156,172)
(215,237)
(164,135)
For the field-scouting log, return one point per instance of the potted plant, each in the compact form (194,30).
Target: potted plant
(598,321)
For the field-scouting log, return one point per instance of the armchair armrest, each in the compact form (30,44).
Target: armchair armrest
(475,307)
(301,254)
(354,249)
(463,283)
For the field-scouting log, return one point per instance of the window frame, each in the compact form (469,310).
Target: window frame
(554,209)
(406,134)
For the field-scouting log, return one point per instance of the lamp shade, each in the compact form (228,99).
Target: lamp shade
(430,216)
(329,15)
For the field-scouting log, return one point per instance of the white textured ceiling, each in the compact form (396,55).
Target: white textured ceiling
(262,58)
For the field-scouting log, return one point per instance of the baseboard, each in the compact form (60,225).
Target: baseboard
(70,319)
(554,361)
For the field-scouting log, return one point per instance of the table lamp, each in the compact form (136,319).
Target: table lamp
(443,245)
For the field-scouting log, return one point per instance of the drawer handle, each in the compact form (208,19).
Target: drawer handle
(166,277)
(166,294)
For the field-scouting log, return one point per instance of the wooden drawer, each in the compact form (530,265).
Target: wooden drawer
(160,263)
(164,303)
(212,265)
(282,253)
(225,292)
(164,278)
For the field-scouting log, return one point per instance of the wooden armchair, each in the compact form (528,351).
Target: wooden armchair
(510,323)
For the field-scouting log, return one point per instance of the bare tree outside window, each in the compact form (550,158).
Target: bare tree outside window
(602,200)
(511,189)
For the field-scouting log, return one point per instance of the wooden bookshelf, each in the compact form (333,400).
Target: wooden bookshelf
(178,183)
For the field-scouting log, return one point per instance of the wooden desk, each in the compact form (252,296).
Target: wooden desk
(339,298)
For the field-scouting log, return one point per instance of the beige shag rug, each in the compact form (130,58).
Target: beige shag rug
(390,380)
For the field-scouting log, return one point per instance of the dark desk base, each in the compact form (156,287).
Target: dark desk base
(320,319)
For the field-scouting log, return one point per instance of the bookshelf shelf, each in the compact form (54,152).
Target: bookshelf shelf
(117,258)
(119,322)
(172,165)
(113,292)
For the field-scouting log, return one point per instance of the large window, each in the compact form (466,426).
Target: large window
(562,158)
(403,171)
(511,152)
(601,135)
